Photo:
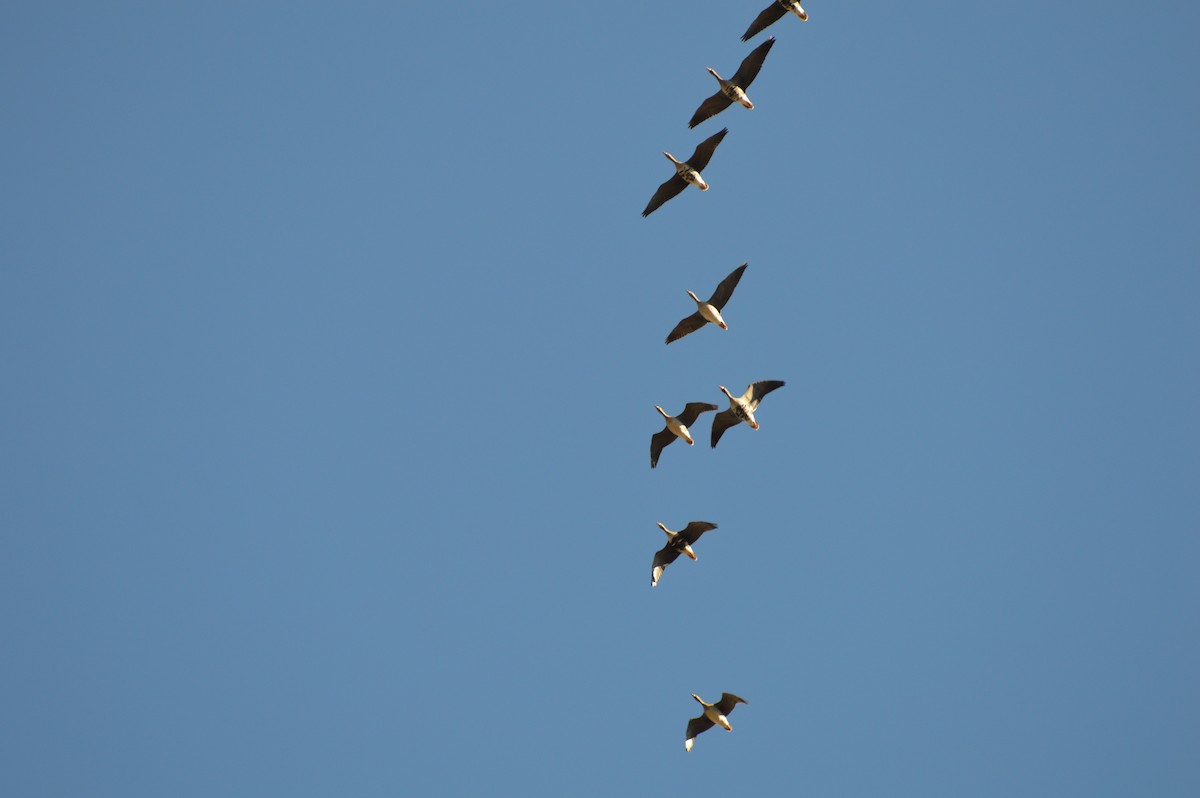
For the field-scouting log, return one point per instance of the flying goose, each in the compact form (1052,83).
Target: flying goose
(677,427)
(709,311)
(772,14)
(734,89)
(677,543)
(741,408)
(713,715)
(686,172)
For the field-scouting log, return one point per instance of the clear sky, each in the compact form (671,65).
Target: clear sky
(331,336)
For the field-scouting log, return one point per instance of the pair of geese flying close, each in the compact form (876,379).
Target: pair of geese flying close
(732,90)
(741,409)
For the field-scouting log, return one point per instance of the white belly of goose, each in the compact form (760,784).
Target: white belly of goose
(692,176)
(680,429)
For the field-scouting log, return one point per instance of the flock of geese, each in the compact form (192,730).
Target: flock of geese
(741,408)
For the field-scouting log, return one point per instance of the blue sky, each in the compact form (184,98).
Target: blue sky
(332,337)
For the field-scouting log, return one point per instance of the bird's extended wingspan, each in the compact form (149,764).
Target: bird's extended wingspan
(769,16)
(721,422)
(692,412)
(728,702)
(687,326)
(710,108)
(725,289)
(658,441)
(705,150)
(759,390)
(751,64)
(692,532)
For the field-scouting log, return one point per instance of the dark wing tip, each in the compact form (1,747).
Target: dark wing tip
(725,288)
(710,108)
(748,70)
(686,326)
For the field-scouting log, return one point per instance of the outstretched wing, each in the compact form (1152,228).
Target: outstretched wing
(687,326)
(657,441)
(748,71)
(758,390)
(697,726)
(769,16)
(692,532)
(710,108)
(662,558)
(728,702)
(692,412)
(725,289)
(705,149)
(666,191)
(721,422)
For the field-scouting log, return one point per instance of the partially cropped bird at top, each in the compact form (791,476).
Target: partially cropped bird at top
(733,90)
(677,427)
(741,408)
(772,14)
(710,311)
(677,543)
(713,715)
(686,172)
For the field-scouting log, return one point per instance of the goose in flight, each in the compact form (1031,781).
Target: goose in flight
(713,715)
(734,89)
(677,427)
(677,543)
(772,14)
(709,311)
(741,408)
(686,172)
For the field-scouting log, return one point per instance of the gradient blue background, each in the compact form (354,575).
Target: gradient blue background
(331,336)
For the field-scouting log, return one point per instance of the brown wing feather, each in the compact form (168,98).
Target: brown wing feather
(710,108)
(658,441)
(692,532)
(665,556)
(687,326)
(769,16)
(721,422)
(692,412)
(697,726)
(725,289)
(748,71)
(666,191)
(759,390)
(704,151)
(728,702)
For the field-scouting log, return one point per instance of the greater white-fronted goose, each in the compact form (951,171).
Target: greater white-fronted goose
(772,14)
(677,427)
(741,408)
(713,715)
(686,172)
(710,311)
(734,89)
(677,543)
